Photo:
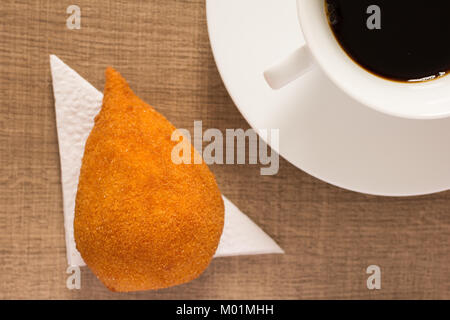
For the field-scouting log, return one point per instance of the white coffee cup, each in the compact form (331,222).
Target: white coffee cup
(413,100)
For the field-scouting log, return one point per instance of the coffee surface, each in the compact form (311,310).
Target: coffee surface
(403,40)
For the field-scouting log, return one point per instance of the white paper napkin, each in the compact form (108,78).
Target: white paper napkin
(77,102)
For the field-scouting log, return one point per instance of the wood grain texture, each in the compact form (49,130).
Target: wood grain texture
(330,235)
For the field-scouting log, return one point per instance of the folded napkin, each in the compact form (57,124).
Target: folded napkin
(77,102)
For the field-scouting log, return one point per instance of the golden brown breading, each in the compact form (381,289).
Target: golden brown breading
(141,221)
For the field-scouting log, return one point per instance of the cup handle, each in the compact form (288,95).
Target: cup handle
(292,67)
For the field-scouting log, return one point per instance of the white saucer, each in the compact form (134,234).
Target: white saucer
(322,131)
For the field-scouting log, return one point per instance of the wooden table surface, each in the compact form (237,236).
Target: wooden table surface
(330,235)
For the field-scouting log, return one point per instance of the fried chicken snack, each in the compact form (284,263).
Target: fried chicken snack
(141,221)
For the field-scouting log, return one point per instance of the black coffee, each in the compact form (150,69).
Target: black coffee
(403,40)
